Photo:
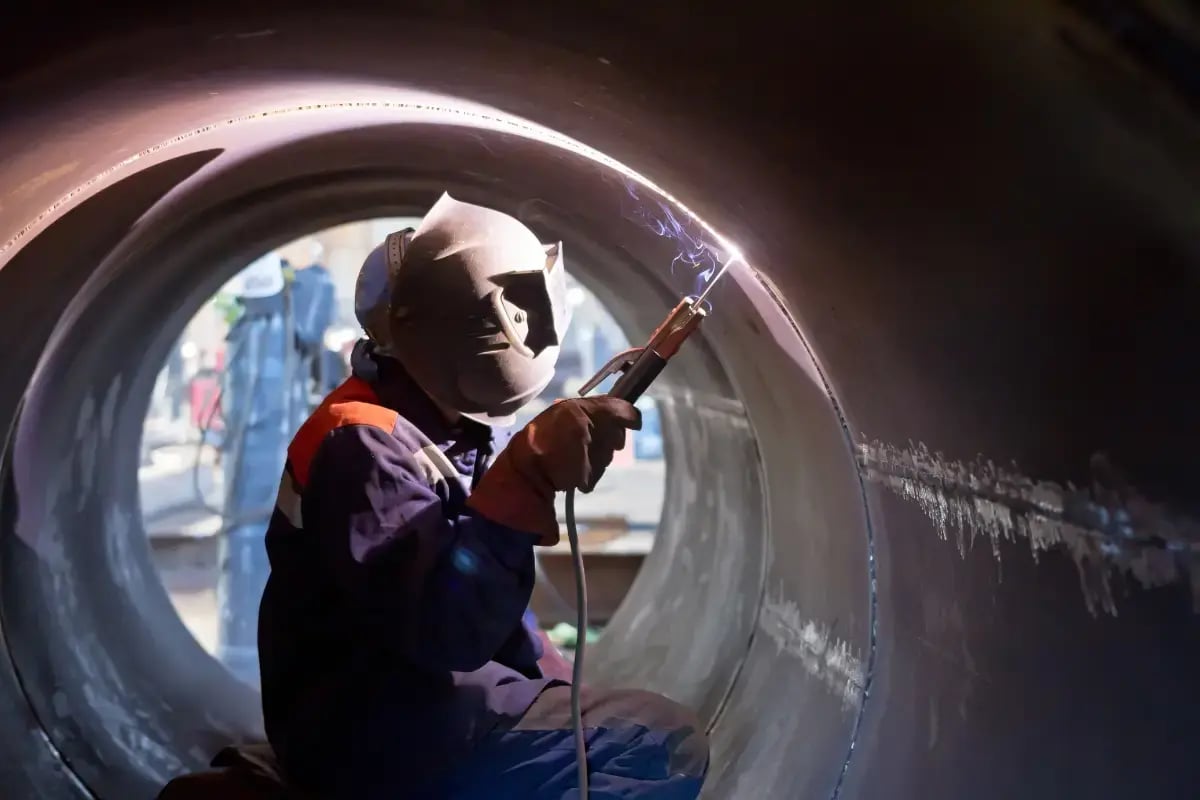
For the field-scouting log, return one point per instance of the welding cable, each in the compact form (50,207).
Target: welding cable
(581,623)
(235,433)
(205,428)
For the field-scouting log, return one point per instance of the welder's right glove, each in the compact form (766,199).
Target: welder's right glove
(567,446)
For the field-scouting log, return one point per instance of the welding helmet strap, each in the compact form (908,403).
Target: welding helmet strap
(395,244)
(373,288)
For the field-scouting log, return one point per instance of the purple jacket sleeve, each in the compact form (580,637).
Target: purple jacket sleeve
(446,592)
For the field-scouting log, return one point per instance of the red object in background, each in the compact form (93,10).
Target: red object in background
(204,397)
(625,456)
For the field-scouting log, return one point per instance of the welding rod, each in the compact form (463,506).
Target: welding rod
(708,287)
(639,371)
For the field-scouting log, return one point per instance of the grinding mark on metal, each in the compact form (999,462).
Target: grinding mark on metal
(824,656)
(131,731)
(39,728)
(872,567)
(1108,527)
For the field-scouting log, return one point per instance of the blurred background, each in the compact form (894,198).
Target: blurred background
(248,369)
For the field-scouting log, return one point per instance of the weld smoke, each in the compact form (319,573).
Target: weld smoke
(696,254)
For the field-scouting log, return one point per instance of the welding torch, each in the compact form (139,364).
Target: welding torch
(639,366)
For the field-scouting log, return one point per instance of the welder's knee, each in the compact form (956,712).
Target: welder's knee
(679,729)
(686,741)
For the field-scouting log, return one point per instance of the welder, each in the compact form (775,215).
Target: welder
(394,660)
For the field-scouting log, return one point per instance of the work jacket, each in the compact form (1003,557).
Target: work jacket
(391,625)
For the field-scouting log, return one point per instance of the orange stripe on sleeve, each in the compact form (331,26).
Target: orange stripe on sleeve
(352,403)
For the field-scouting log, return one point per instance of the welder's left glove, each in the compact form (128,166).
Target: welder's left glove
(567,446)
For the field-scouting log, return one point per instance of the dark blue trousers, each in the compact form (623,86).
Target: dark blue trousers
(641,746)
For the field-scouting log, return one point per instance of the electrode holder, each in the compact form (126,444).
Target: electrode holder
(639,366)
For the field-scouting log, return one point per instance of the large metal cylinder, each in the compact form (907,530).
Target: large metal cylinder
(930,517)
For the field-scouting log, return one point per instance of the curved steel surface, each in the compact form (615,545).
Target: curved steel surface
(930,527)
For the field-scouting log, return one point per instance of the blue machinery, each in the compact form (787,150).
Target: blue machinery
(275,350)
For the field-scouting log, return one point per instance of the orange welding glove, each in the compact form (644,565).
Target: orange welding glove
(567,446)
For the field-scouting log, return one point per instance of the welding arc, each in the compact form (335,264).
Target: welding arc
(712,283)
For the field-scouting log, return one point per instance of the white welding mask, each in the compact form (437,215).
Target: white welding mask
(477,309)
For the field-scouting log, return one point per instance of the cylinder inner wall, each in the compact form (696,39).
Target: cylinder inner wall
(123,692)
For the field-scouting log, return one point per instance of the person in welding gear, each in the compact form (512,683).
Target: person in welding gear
(394,660)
